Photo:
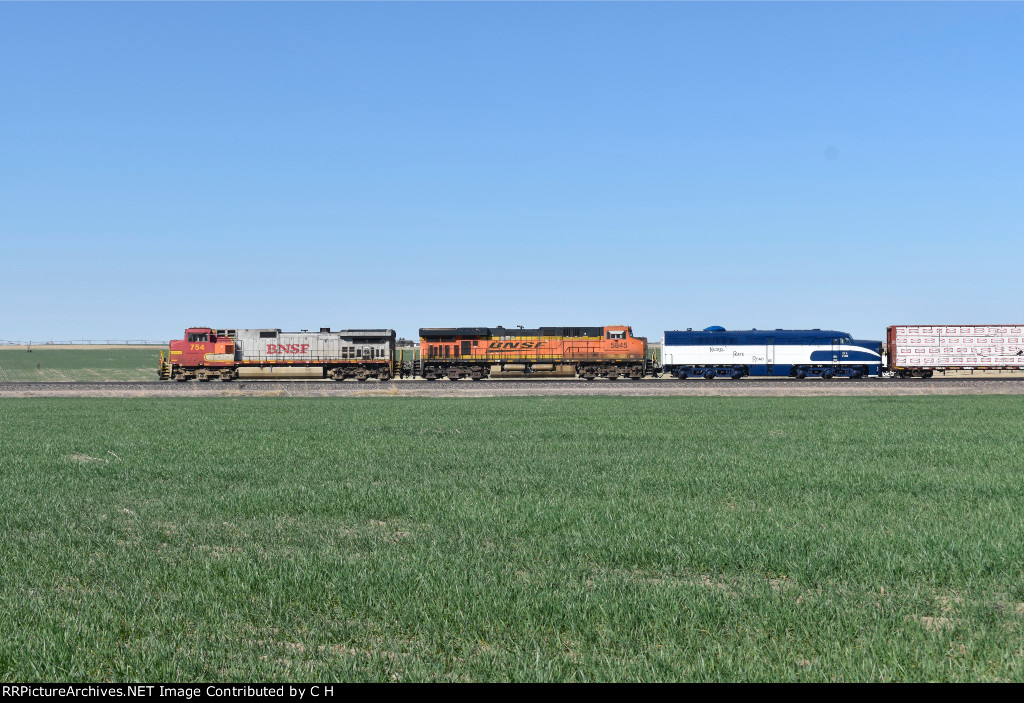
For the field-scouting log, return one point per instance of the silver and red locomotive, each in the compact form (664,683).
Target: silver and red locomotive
(207,354)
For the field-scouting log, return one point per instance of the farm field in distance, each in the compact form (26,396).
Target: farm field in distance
(539,538)
(57,365)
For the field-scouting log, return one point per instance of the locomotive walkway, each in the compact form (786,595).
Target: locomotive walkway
(523,387)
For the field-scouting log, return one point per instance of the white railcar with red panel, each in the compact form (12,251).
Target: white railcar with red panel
(921,350)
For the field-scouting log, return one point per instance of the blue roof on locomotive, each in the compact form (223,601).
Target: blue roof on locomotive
(721,336)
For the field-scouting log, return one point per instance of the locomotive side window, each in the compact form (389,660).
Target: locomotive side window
(616,334)
(268,335)
(197,337)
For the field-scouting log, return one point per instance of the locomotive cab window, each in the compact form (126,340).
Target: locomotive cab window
(197,337)
(616,334)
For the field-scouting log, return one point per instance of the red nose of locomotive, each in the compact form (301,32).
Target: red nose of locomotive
(200,347)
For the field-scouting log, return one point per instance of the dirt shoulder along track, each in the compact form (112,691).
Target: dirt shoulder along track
(487,389)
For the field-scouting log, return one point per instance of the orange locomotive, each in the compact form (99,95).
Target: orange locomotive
(477,352)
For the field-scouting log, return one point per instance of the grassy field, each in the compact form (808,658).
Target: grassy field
(79,364)
(512,539)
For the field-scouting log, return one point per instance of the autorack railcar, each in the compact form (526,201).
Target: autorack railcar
(716,352)
(921,350)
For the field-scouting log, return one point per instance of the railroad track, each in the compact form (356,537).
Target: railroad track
(523,387)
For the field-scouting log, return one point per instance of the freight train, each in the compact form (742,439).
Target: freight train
(611,352)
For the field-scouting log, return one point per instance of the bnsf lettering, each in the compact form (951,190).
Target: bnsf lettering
(515,345)
(287,348)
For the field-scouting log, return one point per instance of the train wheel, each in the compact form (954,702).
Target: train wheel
(709,374)
(801,374)
(827,374)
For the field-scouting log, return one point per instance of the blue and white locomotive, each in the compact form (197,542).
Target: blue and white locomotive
(716,352)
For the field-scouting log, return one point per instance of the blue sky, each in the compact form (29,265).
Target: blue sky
(360,165)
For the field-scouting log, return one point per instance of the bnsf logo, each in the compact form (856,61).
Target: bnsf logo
(287,348)
(515,345)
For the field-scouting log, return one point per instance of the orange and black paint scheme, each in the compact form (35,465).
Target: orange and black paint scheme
(587,352)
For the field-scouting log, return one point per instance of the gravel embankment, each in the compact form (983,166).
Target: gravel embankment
(482,389)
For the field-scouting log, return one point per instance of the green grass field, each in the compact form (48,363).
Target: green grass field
(56,365)
(512,539)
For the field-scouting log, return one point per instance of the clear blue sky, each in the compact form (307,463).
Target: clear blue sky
(364,165)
